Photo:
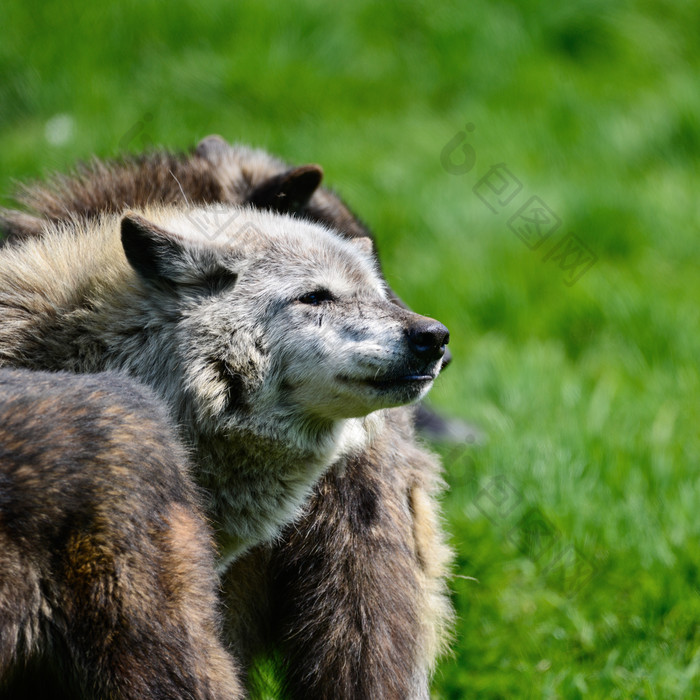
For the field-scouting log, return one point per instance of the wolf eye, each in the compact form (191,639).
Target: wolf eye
(317,297)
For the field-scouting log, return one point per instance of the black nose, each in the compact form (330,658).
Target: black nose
(428,339)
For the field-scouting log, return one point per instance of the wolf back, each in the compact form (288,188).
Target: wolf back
(106,563)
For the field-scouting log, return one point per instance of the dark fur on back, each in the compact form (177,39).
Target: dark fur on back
(169,178)
(106,565)
(97,187)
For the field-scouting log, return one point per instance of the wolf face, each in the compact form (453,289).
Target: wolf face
(352,352)
(287,324)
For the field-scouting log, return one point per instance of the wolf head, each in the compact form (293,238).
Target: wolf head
(279,319)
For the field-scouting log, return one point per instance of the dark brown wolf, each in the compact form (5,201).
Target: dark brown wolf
(107,585)
(354,592)
(214,172)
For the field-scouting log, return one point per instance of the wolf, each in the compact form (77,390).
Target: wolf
(214,172)
(355,590)
(278,351)
(106,562)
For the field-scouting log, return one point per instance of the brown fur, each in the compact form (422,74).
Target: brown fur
(355,591)
(106,566)
(214,172)
(364,578)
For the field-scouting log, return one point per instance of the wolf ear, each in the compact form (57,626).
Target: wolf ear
(288,191)
(162,258)
(212,146)
(151,251)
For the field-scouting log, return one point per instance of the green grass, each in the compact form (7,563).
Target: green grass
(588,393)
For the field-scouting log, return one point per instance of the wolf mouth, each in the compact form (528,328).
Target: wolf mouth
(392,382)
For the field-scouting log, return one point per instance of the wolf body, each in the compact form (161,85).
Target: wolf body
(354,591)
(106,563)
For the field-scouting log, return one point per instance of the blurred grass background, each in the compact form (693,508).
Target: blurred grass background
(580,516)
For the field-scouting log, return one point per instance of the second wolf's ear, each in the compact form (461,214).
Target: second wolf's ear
(289,191)
(153,252)
(212,146)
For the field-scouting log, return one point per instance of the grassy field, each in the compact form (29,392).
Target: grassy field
(579,518)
